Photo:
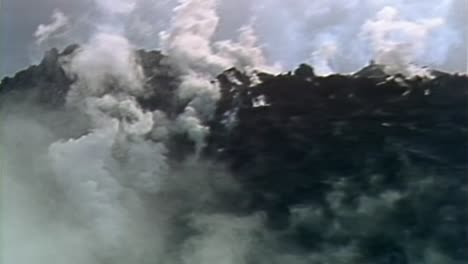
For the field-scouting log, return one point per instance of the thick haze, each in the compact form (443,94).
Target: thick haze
(334,35)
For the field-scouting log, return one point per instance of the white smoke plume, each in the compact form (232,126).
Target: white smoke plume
(106,62)
(59,24)
(190,41)
(82,201)
(398,43)
(322,58)
(190,45)
(113,182)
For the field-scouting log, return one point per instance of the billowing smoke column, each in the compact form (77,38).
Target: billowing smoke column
(190,47)
(110,200)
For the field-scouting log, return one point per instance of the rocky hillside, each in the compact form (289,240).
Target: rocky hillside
(382,158)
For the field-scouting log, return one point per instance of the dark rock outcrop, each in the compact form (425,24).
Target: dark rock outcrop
(293,139)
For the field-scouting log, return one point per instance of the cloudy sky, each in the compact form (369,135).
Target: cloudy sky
(336,35)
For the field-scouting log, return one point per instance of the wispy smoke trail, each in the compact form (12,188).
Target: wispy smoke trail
(59,23)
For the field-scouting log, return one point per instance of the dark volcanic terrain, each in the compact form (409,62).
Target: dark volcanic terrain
(381,159)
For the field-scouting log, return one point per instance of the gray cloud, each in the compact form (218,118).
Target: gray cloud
(289,33)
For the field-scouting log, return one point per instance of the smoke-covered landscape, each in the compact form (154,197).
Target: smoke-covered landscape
(218,132)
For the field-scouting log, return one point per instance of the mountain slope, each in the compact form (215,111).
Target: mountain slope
(369,159)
